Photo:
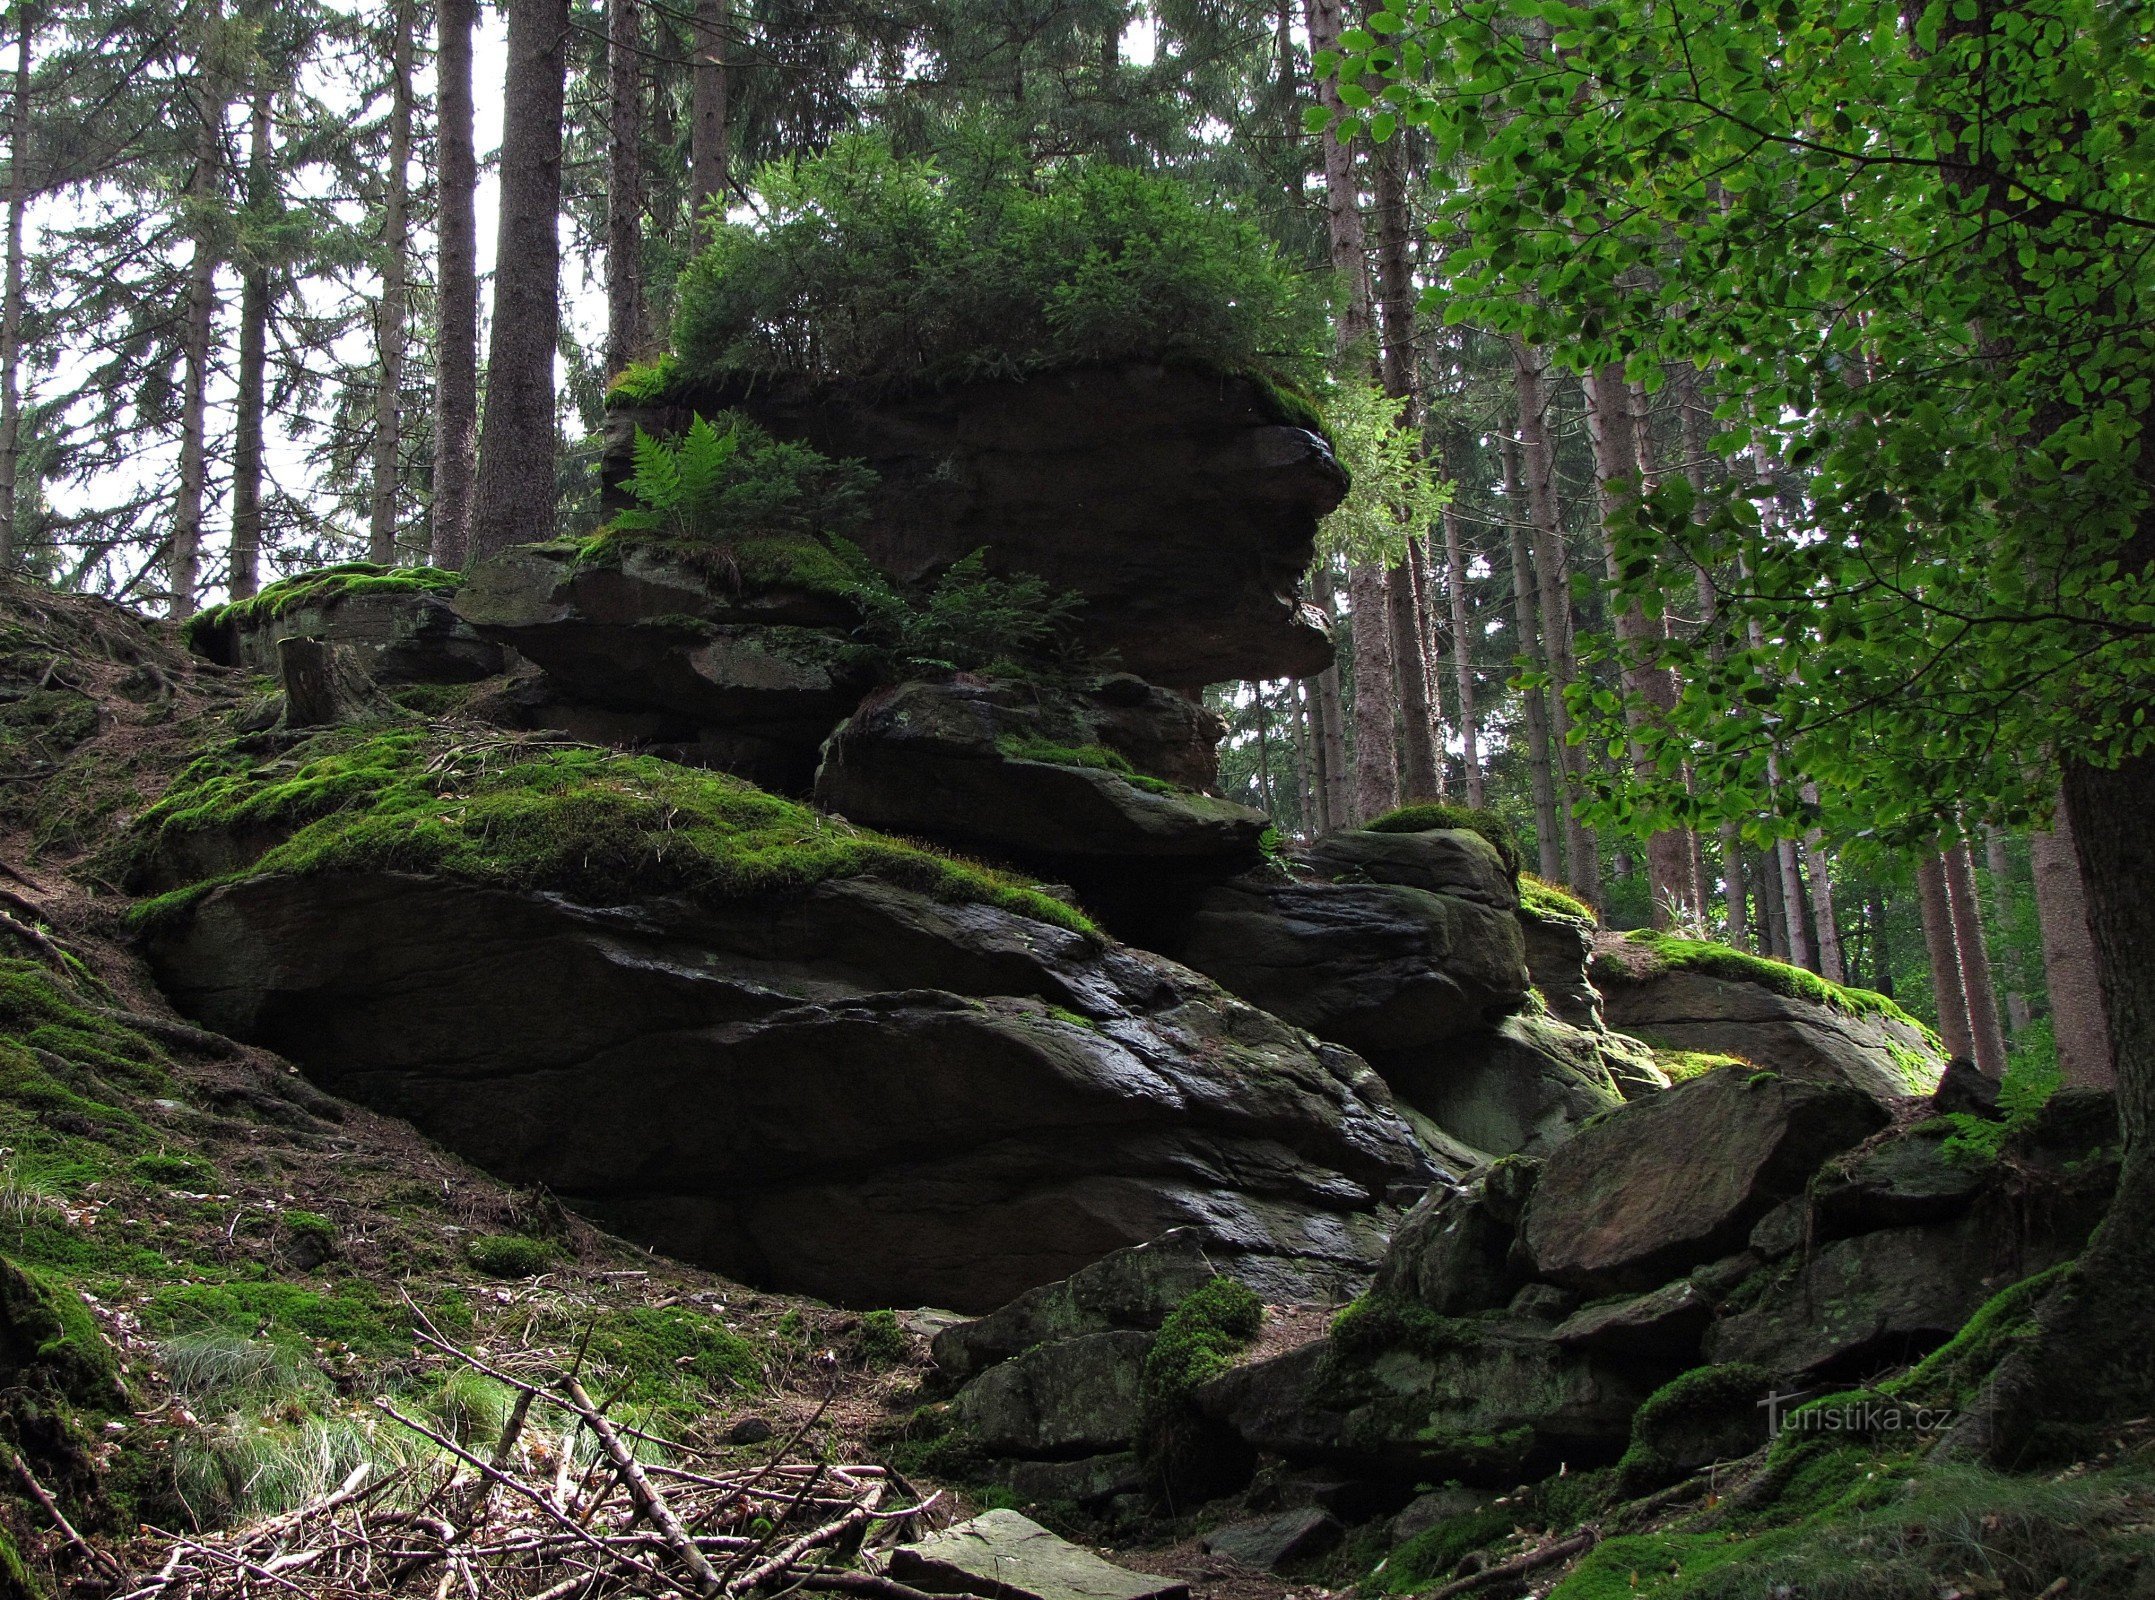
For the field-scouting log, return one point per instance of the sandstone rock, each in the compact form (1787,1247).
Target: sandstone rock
(396,637)
(1134,1288)
(1663,1184)
(1542,1302)
(1687,1010)
(771,673)
(1485,1410)
(1709,1414)
(1905,1178)
(949,761)
(1004,1556)
(1455,862)
(1425,1511)
(1072,1397)
(1662,1325)
(856,1092)
(1270,1543)
(1179,505)
(1518,1088)
(1373,966)
(1450,1254)
(1089,1481)
(1557,952)
(1962,1087)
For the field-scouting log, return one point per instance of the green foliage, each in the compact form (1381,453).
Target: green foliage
(1394,492)
(572,819)
(1544,899)
(1198,1341)
(319,588)
(675,1358)
(646,383)
(1426,816)
(969,621)
(861,264)
(510,1255)
(716,486)
(2028,1084)
(1666,952)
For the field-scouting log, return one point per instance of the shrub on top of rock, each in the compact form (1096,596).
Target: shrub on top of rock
(864,264)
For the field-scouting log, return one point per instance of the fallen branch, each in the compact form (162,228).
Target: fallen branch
(1547,1555)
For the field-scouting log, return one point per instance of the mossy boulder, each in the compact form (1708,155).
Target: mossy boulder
(1048,776)
(1691,995)
(49,1343)
(1180,505)
(1070,1397)
(1452,1254)
(1672,1181)
(396,622)
(1708,1414)
(1519,1088)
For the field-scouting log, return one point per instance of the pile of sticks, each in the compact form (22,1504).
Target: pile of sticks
(486,1527)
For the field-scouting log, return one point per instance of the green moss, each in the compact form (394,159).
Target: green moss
(48,1335)
(1538,897)
(16,1583)
(510,1255)
(1198,1341)
(674,1358)
(542,816)
(880,1340)
(1369,1327)
(1430,815)
(1097,757)
(1951,1374)
(1666,952)
(1684,1065)
(309,589)
(1432,1554)
(1647,1564)
(178,1171)
(352,1315)
(1693,1403)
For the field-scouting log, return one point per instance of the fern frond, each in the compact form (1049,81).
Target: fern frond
(704,462)
(656,482)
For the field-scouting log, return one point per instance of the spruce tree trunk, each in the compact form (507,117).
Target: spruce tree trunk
(711,91)
(1983,1025)
(183,553)
(1998,862)
(1307,777)
(624,183)
(1552,575)
(456,286)
(1376,765)
(513,500)
(2077,1017)
(1342,192)
(1419,774)
(1264,748)
(1336,803)
(1772,913)
(1455,590)
(1941,943)
(1430,635)
(1548,839)
(253,359)
(1736,900)
(1611,428)
(393,313)
(1831,966)
(18,203)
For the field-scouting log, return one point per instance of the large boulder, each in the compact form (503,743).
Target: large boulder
(1493,1400)
(1182,506)
(1672,1181)
(1678,1007)
(396,623)
(1452,1254)
(1070,1397)
(855,1091)
(1558,950)
(1518,1088)
(750,680)
(1060,779)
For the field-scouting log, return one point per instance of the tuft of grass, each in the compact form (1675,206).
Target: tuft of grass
(1668,952)
(1540,898)
(510,1255)
(319,588)
(1428,816)
(540,815)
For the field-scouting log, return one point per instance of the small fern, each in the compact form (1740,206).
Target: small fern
(2026,1088)
(728,480)
(968,621)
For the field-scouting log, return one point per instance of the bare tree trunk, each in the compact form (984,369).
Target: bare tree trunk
(1307,772)
(456,289)
(711,91)
(1831,966)
(1548,842)
(514,498)
(1983,1025)
(1736,900)
(1881,958)
(1376,765)
(2077,1018)
(1999,863)
(1455,586)
(1336,804)
(18,203)
(624,182)
(1610,427)
(1942,944)
(1582,854)
(393,313)
(1426,630)
(1772,910)
(183,555)
(1786,858)
(253,358)
(1343,197)
(1418,769)
(1264,747)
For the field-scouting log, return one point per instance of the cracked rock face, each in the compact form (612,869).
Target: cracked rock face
(1176,503)
(858,1093)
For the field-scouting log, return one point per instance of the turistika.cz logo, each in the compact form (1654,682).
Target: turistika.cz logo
(1865,1416)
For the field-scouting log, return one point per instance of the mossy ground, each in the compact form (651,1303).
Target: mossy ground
(1538,897)
(530,814)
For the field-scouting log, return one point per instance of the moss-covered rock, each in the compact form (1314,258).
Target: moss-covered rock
(49,1341)
(395,620)
(1708,1414)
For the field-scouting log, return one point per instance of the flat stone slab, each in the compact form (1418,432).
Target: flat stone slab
(1270,1543)
(1005,1556)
